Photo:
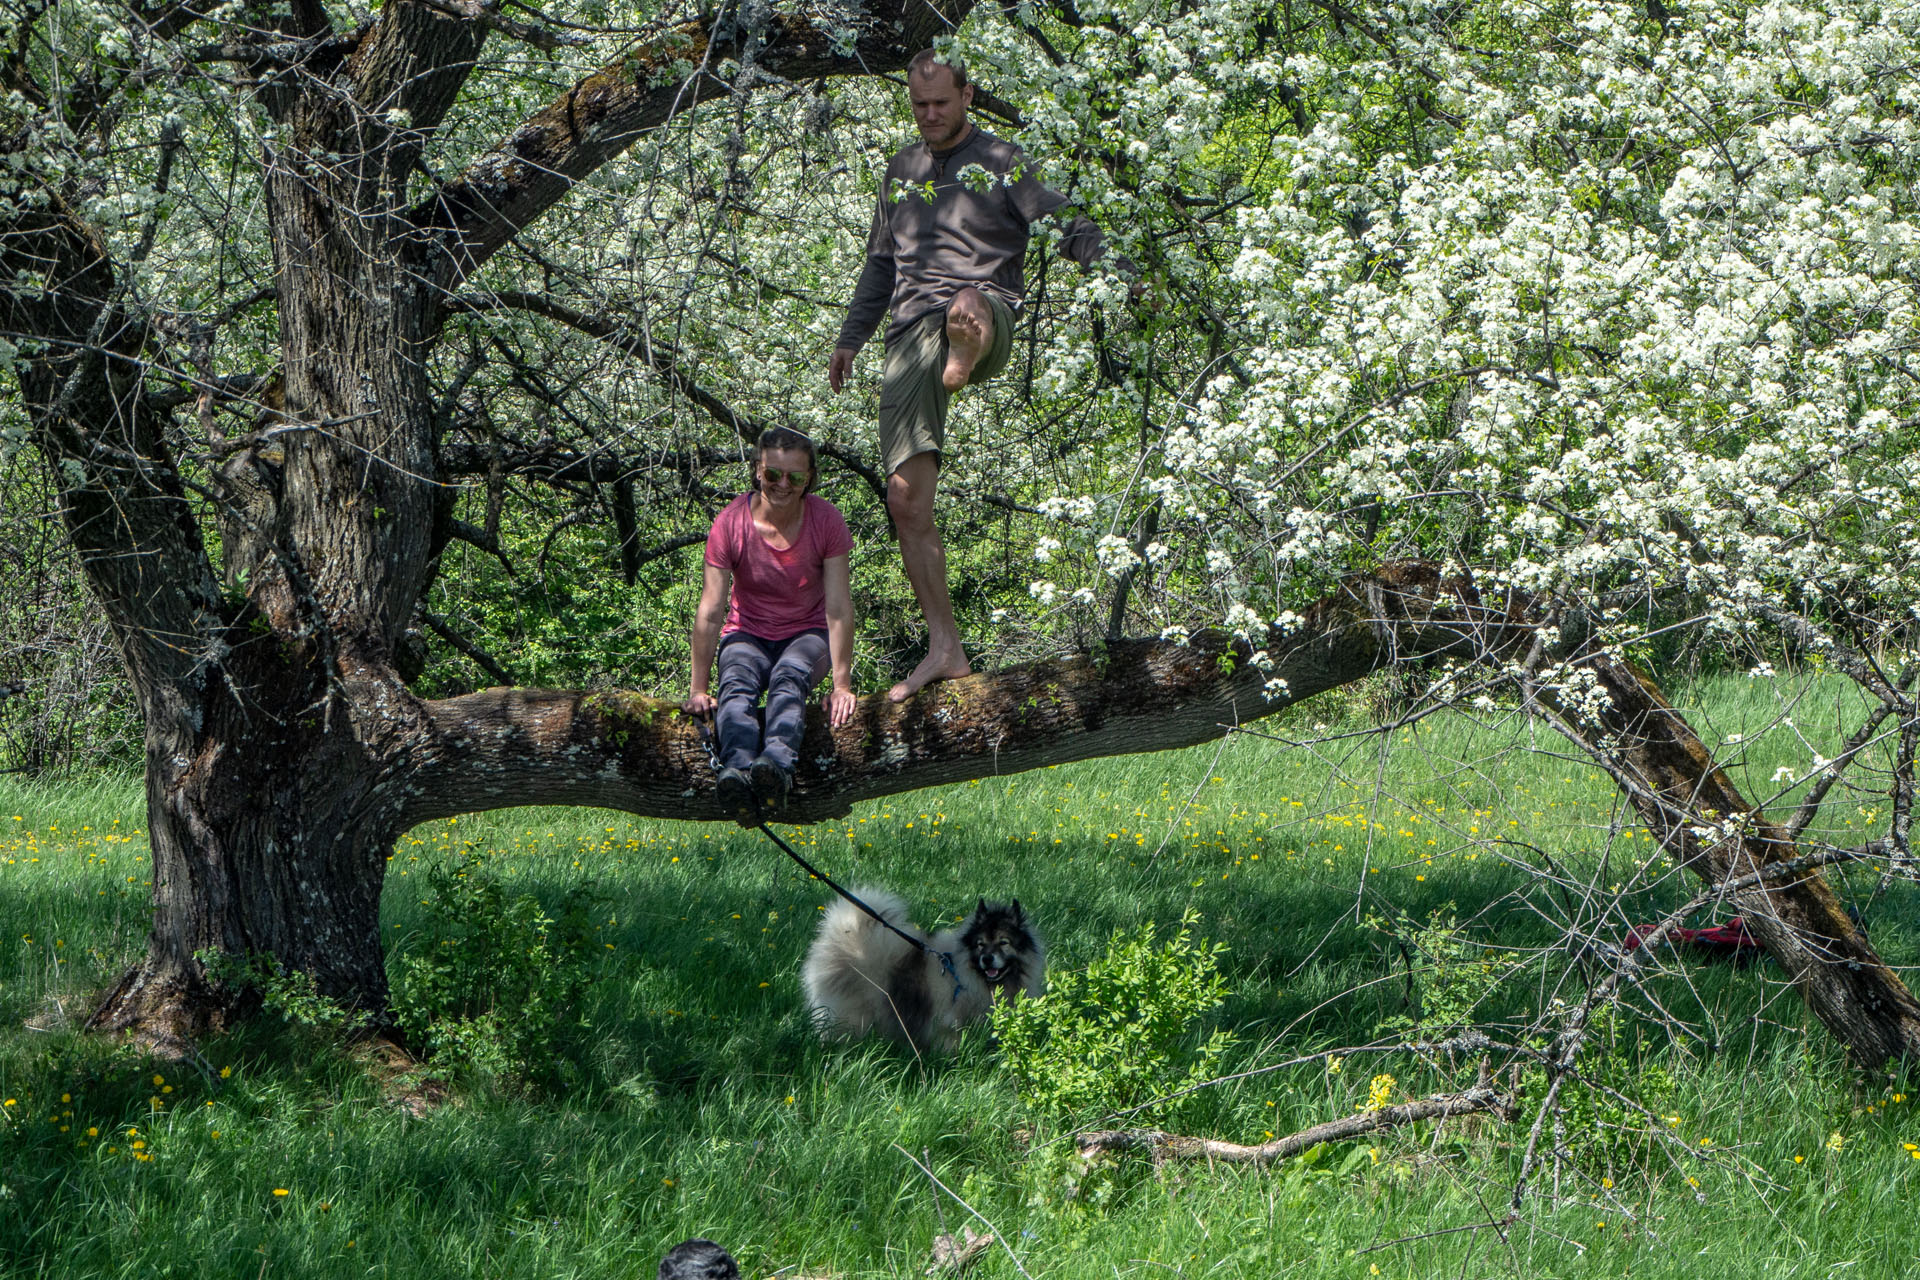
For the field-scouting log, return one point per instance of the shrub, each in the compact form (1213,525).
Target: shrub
(289,994)
(495,984)
(1609,1121)
(1449,975)
(1120,1033)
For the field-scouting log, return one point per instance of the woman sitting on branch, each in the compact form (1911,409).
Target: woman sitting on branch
(777,605)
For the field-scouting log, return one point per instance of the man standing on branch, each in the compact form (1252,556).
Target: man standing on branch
(947,256)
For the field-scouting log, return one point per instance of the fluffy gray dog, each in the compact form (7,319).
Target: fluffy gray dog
(861,978)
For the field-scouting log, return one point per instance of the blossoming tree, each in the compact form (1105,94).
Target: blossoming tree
(1491,345)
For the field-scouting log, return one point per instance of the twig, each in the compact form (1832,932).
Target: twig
(969,1208)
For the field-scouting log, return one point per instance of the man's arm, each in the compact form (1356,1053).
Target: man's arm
(1032,200)
(871,294)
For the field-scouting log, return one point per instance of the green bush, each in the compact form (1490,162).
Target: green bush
(1611,1121)
(1449,975)
(289,994)
(494,984)
(1120,1033)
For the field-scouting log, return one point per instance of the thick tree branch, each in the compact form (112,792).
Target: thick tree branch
(1702,820)
(506,189)
(624,751)
(505,747)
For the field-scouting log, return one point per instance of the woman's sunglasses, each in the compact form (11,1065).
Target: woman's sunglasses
(797,479)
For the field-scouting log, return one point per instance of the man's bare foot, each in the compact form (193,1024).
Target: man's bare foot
(966,340)
(932,667)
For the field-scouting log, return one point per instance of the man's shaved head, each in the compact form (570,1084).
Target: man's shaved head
(930,62)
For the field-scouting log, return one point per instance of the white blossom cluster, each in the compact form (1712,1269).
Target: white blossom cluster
(1600,306)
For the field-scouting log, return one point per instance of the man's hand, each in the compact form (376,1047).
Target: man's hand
(699,704)
(839,367)
(838,704)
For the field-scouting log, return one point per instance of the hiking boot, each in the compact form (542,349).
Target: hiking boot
(771,783)
(734,790)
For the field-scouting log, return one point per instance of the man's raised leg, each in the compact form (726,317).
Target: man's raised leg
(969,334)
(910,500)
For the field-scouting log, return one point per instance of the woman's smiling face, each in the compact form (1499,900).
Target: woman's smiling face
(778,467)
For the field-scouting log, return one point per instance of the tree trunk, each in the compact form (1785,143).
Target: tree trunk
(1699,816)
(259,849)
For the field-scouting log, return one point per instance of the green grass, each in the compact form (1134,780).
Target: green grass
(704,1106)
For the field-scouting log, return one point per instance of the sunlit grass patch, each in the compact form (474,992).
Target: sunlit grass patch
(702,1104)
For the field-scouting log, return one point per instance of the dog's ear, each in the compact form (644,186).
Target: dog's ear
(1019,916)
(981,909)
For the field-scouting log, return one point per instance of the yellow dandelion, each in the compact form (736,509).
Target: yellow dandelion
(281,1191)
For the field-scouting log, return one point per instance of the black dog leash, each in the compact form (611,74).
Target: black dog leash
(944,957)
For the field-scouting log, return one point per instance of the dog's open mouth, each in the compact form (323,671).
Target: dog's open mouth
(992,972)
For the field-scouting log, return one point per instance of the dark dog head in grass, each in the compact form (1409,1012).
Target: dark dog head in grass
(1001,945)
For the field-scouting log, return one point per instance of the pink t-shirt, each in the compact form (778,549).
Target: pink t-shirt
(777,594)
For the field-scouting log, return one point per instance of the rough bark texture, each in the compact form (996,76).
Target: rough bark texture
(642,755)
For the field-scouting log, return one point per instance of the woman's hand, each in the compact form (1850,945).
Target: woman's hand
(838,704)
(699,704)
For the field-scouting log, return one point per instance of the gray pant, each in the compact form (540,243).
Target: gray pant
(786,670)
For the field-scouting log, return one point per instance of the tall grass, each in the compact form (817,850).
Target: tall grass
(704,1105)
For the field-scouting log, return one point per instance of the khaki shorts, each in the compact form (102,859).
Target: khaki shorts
(913,403)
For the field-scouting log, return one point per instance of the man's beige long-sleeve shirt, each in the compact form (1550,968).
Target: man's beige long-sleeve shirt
(935,232)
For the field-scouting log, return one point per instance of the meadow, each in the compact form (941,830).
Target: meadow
(699,1103)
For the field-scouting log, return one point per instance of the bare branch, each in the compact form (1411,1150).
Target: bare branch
(1170,1146)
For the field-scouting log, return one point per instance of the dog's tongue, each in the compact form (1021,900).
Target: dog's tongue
(993,973)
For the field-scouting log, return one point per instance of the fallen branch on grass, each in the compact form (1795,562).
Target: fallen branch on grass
(1173,1146)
